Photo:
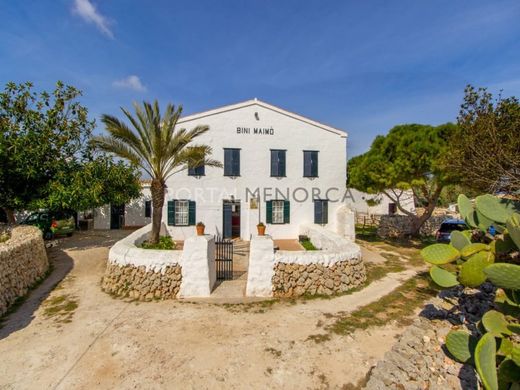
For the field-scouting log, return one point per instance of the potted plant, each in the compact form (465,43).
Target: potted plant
(200,228)
(261,229)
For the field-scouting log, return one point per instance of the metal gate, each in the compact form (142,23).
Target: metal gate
(224,258)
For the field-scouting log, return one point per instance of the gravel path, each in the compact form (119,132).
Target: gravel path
(108,343)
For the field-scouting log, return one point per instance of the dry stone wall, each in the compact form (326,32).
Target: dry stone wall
(395,226)
(291,280)
(139,283)
(23,261)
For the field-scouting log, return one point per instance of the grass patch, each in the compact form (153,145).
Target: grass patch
(165,243)
(61,308)
(308,245)
(20,300)
(399,305)
(319,338)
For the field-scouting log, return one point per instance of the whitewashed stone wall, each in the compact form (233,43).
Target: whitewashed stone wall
(335,268)
(23,261)
(160,274)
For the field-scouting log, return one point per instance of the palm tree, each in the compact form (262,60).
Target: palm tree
(156,146)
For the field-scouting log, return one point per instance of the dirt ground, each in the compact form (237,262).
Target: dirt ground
(76,336)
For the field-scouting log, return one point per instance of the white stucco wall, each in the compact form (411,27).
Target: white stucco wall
(102,217)
(356,200)
(289,133)
(135,210)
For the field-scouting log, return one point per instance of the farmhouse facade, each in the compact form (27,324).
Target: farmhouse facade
(279,168)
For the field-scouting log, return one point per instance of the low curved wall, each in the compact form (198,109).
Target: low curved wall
(142,274)
(337,267)
(147,274)
(23,261)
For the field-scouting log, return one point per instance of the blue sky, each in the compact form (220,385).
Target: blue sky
(362,66)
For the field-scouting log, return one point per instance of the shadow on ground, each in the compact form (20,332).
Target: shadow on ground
(23,315)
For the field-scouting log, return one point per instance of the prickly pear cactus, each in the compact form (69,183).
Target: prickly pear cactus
(440,254)
(443,278)
(504,275)
(485,360)
(461,345)
(496,323)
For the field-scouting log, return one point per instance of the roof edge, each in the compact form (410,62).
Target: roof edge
(252,102)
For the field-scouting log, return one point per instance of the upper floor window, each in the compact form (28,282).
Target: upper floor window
(196,171)
(321,211)
(277,163)
(231,162)
(310,163)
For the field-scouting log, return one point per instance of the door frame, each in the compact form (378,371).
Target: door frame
(235,230)
(120,208)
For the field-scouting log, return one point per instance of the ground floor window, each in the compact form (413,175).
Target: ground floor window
(181,212)
(278,211)
(321,211)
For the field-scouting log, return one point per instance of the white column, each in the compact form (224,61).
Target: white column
(261,267)
(198,267)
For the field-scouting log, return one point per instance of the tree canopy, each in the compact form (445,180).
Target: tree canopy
(485,153)
(46,157)
(409,157)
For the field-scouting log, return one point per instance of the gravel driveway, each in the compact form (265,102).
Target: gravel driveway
(69,334)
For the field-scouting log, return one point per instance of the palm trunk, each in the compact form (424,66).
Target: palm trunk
(157,189)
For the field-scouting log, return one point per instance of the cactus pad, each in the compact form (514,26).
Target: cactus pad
(485,360)
(508,372)
(459,240)
(493,208)
(472,271)
(504,275)
(461,345)
(442,277)
(440,254)
(470,250)
(496,323)
(465,205)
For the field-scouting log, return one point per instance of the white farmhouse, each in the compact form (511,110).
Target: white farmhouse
(280,168)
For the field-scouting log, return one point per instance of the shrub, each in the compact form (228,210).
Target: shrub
(165,243)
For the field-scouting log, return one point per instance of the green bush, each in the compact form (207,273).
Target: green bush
(308,245)
(471,258)
(165,243)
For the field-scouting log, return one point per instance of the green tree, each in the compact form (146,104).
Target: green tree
(154,144)
(44,151)
(409,157)
(485,152)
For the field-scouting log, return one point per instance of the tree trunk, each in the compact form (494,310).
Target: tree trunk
(10,215)
(157,189)
(417,222)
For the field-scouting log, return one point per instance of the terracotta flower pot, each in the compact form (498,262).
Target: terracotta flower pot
(261,230)
(200,230)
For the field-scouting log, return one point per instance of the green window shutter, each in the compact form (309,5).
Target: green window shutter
(325,217)
(314,164)
(286,211)
(269,211)
(191,209)
(171,212)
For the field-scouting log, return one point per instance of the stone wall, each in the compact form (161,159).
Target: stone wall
(140,283)
(23,261)
(291,280)
(394,226)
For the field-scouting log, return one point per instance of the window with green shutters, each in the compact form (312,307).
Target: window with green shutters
(310,163)
(278,212)
(277,163)
(231,162)
(181,212)
(321,211)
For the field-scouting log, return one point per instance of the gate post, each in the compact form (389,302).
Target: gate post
(261,267)
(198,267)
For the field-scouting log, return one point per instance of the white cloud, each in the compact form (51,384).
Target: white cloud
(90,14)
(130,82)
